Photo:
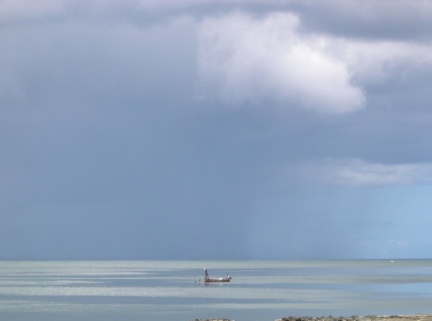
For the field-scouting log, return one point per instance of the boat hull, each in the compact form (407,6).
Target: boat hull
(220,280)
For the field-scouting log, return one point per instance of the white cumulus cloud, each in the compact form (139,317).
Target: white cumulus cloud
(244,59)
(249,60)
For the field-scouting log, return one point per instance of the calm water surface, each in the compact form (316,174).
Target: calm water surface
(171,291)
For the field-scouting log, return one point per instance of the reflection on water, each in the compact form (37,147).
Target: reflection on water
(170,290)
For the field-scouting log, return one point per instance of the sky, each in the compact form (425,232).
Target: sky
(215,129)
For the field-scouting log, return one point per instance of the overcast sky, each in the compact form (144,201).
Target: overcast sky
(215,129)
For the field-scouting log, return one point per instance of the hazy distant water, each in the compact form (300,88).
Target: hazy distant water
(169,290)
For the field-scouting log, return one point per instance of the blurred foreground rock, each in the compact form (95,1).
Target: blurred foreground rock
(417,317)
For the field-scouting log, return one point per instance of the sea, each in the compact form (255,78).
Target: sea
(174,290)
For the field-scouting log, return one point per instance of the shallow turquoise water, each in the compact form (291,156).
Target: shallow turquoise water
(170,290)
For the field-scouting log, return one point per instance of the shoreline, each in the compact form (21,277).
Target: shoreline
(409,317)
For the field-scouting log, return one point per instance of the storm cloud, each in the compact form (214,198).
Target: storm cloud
(215,129)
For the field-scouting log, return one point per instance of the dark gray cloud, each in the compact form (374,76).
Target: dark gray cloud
(369,20)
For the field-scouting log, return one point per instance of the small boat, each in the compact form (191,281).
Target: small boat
(208,279)
(225,279)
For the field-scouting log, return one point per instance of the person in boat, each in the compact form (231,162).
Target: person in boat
(206,277)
